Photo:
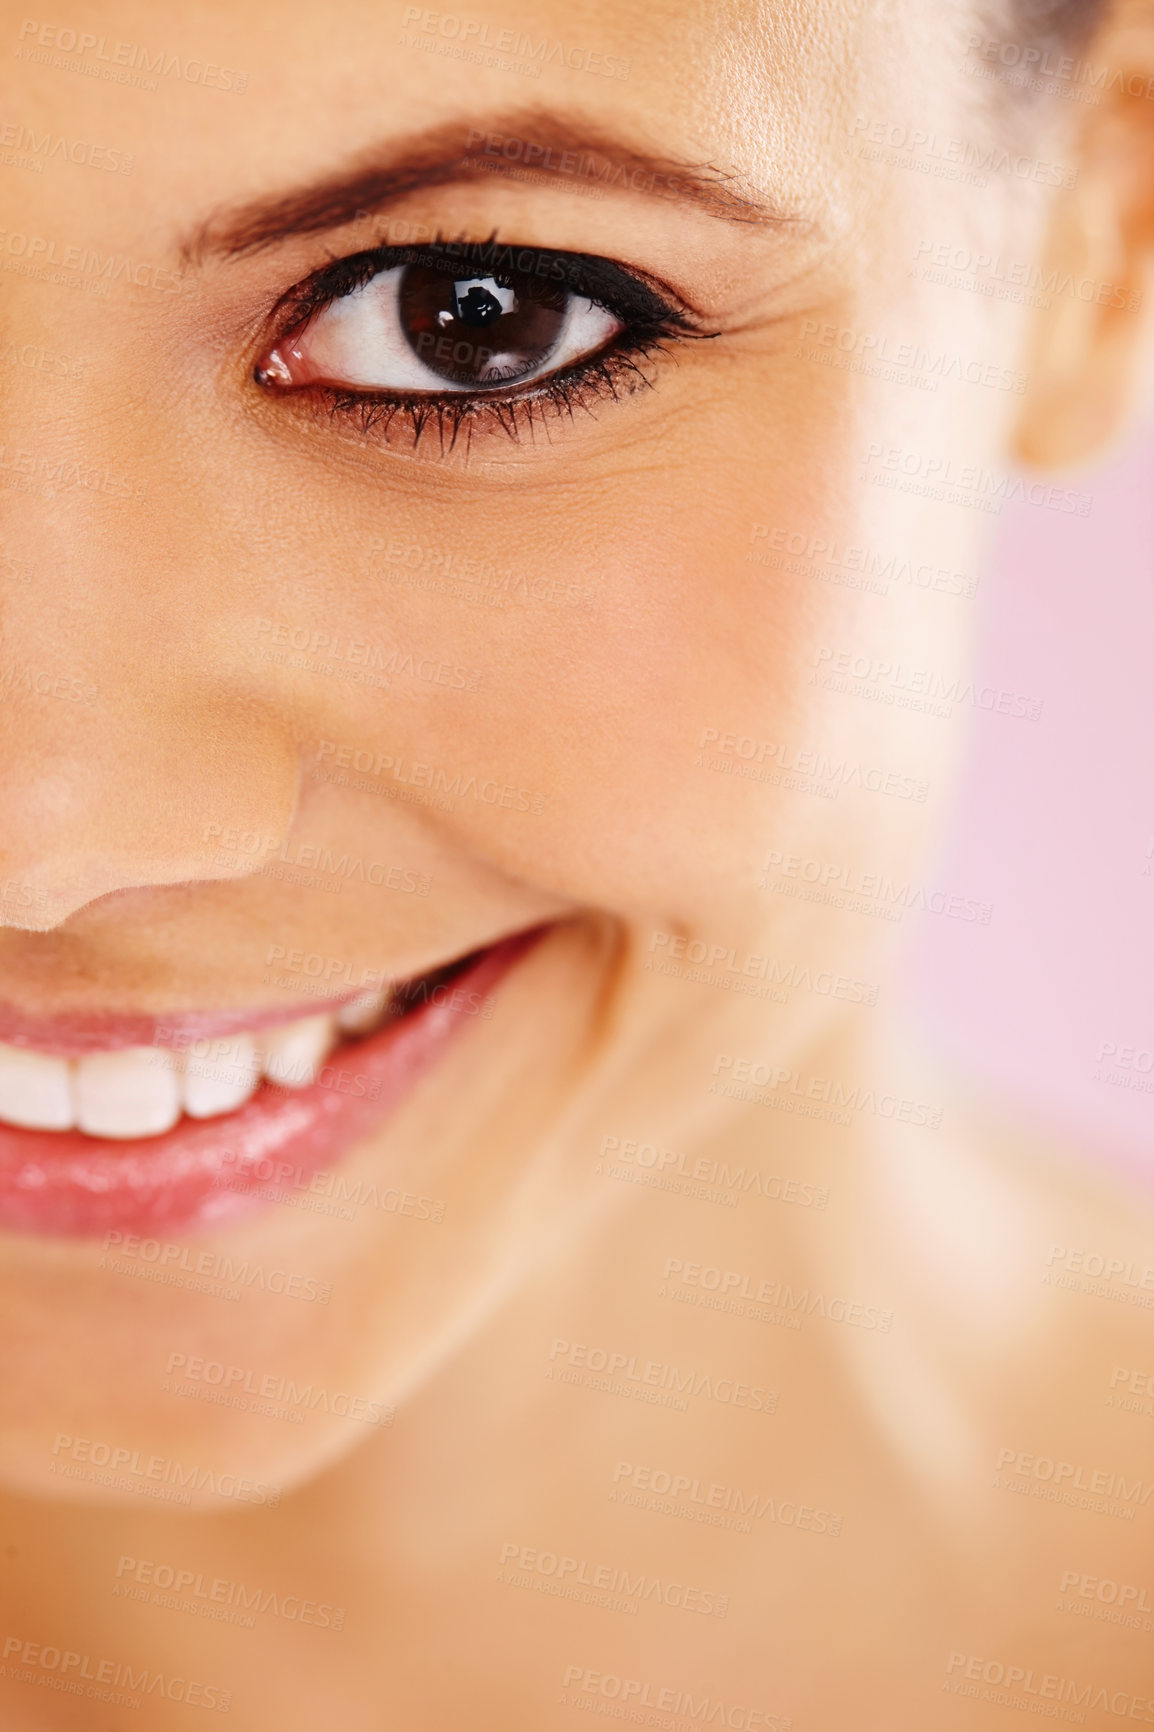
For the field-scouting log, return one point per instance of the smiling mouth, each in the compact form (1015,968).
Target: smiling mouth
(125,1092)
(199,1127)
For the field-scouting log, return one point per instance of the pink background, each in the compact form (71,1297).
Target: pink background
(1055,822)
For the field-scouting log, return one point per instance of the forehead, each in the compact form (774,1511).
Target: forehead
(219,98)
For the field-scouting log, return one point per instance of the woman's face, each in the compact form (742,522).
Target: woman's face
(307,695)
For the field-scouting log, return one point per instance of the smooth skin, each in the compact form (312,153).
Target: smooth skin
(208,522)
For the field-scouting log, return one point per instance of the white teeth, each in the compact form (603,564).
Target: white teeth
(141,1091)
(294,1053)
(222,1078)
(362,1013)
(131,1093)
(35,1090)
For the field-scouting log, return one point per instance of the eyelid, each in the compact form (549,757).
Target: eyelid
(623,289)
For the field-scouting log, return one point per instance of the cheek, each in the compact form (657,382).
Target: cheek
(567,649)
(695,718)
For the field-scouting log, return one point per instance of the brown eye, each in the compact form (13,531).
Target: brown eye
(419,328)
(480,330)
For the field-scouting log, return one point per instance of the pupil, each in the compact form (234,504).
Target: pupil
(480,330)
(478,305)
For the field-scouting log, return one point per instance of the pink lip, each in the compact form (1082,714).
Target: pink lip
(73,1036)
(205,1173)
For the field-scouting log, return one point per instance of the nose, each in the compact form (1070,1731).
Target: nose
(130,740)
(93,802)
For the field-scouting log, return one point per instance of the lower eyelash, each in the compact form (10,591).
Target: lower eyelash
(608,376)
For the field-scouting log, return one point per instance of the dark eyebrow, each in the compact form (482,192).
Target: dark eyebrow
(534,147)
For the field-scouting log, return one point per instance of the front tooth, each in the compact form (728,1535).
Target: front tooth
(131,1093)
(35,1090)
(362,1013)
(222,1080)
(294,1053)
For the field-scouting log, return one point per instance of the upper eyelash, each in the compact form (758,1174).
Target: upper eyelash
(652,324)
(583,270)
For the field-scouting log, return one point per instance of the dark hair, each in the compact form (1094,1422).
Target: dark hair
(1056,20)
(1057,28)
(1058,17)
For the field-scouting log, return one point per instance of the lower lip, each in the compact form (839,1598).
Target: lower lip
(206,1173)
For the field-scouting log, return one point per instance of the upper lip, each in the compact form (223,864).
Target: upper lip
(73,1034)
(70,1034)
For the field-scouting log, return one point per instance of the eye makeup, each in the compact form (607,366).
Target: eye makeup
(437,341)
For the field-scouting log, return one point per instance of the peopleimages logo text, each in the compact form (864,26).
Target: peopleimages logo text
(68,1667)
(94,56)
(472,33)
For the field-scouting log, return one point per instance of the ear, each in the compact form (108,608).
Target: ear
(1091,360)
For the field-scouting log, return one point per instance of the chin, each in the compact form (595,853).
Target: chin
(193,1355)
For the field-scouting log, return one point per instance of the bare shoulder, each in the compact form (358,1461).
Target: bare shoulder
(1094,1203)
(1034,1202)
(1037,1259)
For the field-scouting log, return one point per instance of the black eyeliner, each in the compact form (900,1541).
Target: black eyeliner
(651,325)
(623,292)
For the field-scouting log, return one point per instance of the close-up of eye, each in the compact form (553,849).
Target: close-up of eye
(419,328)
(406,328)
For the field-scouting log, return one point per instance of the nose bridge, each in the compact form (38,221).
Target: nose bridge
(126,745)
